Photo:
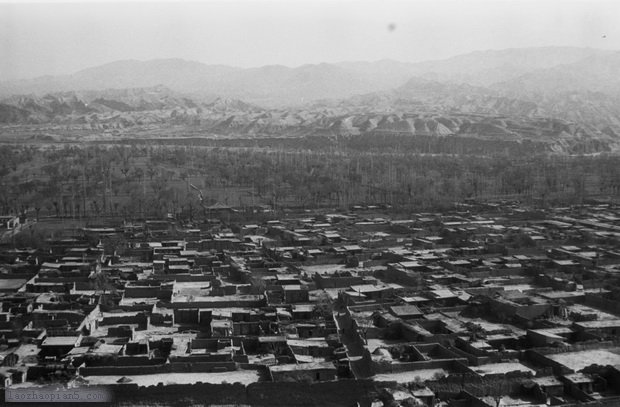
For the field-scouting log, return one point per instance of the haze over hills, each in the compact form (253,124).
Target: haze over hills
(485,68)
(505,70)
(572,93)
(269,85)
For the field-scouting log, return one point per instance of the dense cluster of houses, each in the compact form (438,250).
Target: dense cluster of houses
(494,304)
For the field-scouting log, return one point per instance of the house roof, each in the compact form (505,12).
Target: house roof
(60,341)
(405,310)
(290,367)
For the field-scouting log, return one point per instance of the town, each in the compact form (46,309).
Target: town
(488,304)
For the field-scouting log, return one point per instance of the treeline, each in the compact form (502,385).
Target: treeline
(342,178)
(141,180)
(392,142)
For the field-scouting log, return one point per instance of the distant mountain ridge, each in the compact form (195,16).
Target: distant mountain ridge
(271,85)
(560,95)
(486,68)
(420,108)
(504,71)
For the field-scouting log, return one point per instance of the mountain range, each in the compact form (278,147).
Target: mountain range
(576,91)
(518,72)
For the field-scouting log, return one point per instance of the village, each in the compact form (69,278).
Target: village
(491,304)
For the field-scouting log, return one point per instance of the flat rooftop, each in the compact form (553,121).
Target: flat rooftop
(290,367)
(406,377)
(242,376)
(11,283)
(60,341)
(579,360)
(501,368)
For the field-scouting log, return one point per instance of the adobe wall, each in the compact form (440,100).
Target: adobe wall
(540,359)
(124,361)
(120,370)
(413,366)
(451,386)
(124,319)
(198,358)
(327,394)
(337,282)
(322,394)
(224,303)
(147,292)
(62,280)
(577,347)
(185,278)
(596,301)
(533,311)
(158,369)
(609,402)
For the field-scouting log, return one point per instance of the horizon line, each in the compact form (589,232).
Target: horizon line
(226,65)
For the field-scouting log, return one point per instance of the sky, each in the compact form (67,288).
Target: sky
(52,38)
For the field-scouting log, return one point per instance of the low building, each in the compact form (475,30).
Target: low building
(303,372)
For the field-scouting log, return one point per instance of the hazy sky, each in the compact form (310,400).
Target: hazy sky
(55,38)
